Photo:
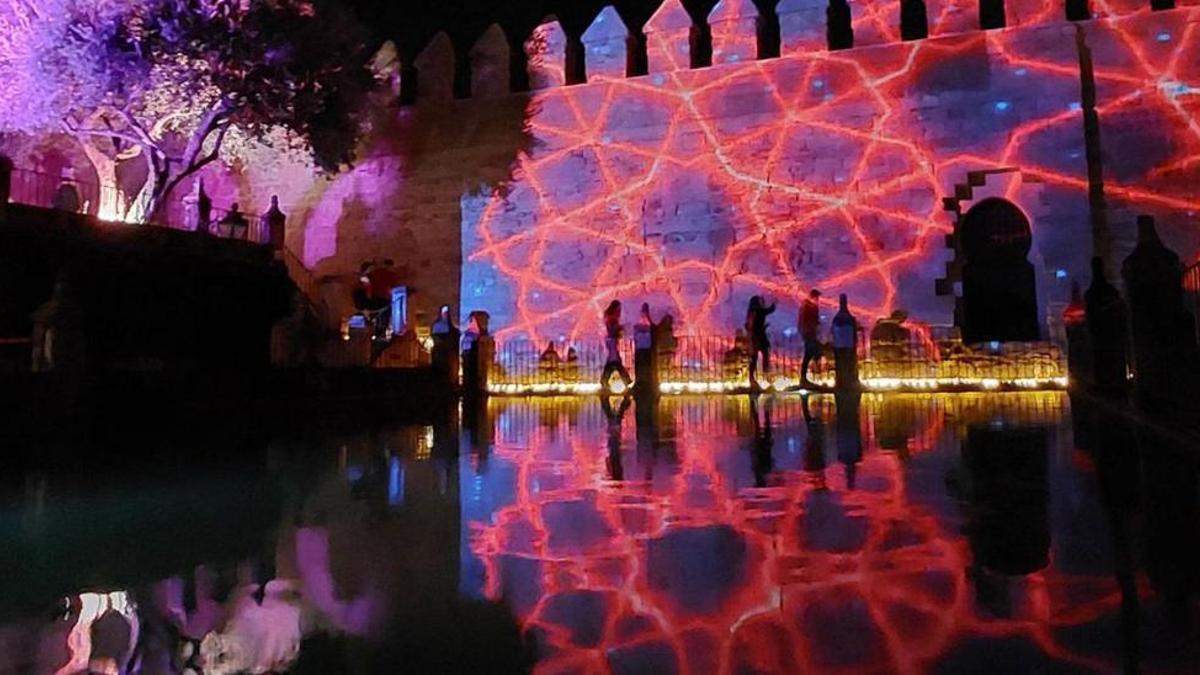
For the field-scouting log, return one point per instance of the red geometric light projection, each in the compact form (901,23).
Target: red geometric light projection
(694,189)
(685,565)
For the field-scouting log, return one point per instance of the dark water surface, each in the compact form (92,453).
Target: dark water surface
(974,533)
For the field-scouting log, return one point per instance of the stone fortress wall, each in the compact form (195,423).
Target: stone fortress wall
(693,188)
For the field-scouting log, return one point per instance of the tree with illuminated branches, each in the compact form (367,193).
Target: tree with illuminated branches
(183,83)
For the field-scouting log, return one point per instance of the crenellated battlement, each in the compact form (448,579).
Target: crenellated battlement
(674,38)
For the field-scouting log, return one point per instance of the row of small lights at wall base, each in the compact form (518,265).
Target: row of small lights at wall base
(783,384)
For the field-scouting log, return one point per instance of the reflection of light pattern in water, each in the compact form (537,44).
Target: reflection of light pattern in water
(696,188)
(688,566)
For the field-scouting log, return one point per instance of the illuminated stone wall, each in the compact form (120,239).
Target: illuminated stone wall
(694,189)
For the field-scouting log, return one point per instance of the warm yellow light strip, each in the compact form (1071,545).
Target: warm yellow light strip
(787,384)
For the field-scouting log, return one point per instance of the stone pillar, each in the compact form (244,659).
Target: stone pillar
(844,328)
(490,64)
(486,352)
(802,25)
(668,38)
(1108,330)
(273,225)
(607,42)
(1079,348)
(1093,148)
(1164,345)
(434,72)
(445,357)
(645,361)
(545,56)
(734,27)
(477,357)
(203,209)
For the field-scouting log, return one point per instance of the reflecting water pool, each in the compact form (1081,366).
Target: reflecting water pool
(775,534)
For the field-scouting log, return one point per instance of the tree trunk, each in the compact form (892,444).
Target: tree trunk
(154,197)
(111,202)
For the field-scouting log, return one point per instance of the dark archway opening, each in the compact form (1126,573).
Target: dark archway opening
(999,295)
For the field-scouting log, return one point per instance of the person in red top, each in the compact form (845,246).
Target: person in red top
(810,328)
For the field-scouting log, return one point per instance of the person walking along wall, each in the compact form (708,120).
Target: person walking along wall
(810,327)
(612,347)
(756,329)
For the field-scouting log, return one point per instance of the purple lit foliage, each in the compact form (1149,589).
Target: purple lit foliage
(180,83)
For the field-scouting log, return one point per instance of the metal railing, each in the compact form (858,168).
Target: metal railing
(1191,293)
(924,358)
(110,203)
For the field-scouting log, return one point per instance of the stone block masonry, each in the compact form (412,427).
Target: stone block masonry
(695,188)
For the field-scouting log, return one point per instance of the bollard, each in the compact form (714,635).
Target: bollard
(1079,348)
(272,224)
(203,209)
(478,350)
(1164,351)
(1108,333)
(844,329)
(233,225)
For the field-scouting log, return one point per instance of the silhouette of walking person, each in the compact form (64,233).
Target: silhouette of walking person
(612,347)
(810,326)
(756,329)
(616,469)
(762,460)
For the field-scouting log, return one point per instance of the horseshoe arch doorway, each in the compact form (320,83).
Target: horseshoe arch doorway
(999,294)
